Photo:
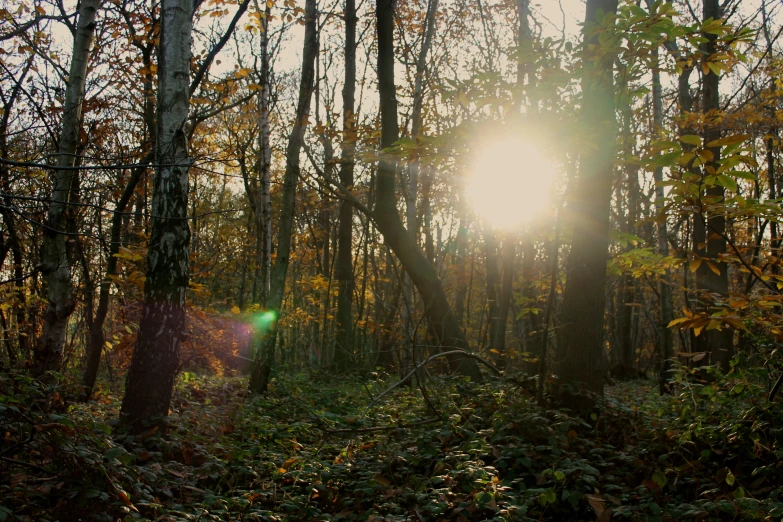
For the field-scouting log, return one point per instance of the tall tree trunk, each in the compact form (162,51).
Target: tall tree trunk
(584,297)
(665,346)
(344,349)
(710,226)
(627,291)
(506,291)
(155,360)
(769,142)
(492,267)
(263,169)
(442,321)
(532,343)
(264,356)
(54,256)
(461,262)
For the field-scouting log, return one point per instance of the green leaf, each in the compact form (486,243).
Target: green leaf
(727,182)
(730,478)
(660,478)
(691,139)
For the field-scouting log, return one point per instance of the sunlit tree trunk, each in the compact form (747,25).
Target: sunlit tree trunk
(154,364)
(582,346)
(54,256)
(710,226)
(442,321)
(264,356)
(344,348)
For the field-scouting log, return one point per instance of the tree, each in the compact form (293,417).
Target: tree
(442,321)
(55,263)
(264,356)
(709,221)
(584,299)
(155,359)
(343,348)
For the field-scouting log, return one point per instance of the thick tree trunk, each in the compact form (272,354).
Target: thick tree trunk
(344,349)
(54,256)
(155,360)
(710,227)
(584,298)
(264,356)
(443,324)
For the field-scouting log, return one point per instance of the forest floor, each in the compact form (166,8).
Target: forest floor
(326,449)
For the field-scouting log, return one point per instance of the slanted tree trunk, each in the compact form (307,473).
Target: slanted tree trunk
(54,256)
(442,321)
(709,226)
(155,360)
(264,357)
(584,297)
(343,346)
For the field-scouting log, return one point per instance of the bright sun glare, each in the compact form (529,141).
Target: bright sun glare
(510,182)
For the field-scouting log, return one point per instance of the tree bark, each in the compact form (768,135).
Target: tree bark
(155,360)
(264,357)
(54,256)
(263,206)
(584,297)
(343,346)
(710,228)
(442,322)
(665,344)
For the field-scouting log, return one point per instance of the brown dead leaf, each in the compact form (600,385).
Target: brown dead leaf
(602,513)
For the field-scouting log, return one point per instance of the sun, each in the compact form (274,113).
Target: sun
(510,182)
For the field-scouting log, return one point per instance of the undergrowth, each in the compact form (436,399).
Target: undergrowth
(324,449)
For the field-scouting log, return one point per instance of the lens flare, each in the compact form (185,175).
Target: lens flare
(510,182)
(265,321)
